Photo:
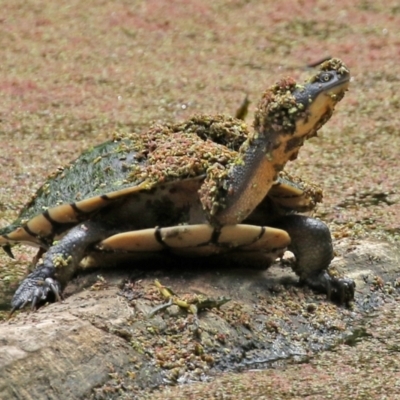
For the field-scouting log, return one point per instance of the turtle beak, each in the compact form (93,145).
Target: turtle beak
(7,249)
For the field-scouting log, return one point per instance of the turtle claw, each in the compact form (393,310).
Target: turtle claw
(41,292)
(8,251)
(35,288)
(343,289)
(339,289)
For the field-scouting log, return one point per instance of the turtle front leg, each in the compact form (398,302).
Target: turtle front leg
(59,264)
(311,244)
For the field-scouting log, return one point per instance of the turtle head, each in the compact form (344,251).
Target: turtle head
(319,96)
(290,112)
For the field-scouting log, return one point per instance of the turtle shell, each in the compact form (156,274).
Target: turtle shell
(135,162)
(127,164)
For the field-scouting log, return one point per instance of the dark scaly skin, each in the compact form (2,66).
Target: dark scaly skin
(312,246)
(59,265)
(311,241)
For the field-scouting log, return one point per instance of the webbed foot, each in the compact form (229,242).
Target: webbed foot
(36,287)
(338,289)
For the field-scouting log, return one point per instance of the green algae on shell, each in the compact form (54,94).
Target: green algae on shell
(182,151)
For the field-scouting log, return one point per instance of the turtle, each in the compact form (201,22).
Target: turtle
(206,186)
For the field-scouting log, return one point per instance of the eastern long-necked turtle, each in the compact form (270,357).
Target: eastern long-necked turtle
(208,185)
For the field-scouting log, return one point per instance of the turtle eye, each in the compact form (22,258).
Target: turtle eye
(325,77)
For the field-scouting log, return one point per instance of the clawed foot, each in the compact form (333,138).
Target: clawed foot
(36,287)
(337,289)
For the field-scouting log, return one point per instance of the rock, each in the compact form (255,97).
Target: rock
(54,354)
(100,343)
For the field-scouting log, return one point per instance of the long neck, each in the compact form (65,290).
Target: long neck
(252,176)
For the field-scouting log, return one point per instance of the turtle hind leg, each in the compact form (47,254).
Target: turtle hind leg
(311,244)
(59,264)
